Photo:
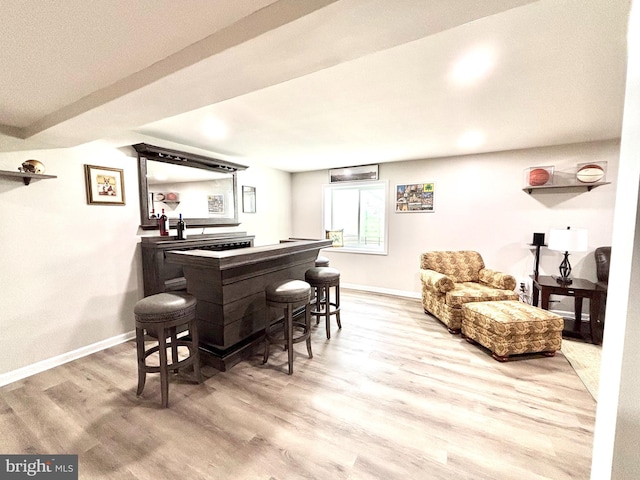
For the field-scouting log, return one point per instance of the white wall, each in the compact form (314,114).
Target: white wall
(70,272)
(617,432)
(272,220)
(479,205)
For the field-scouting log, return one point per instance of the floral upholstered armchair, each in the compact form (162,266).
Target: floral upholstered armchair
(450,279)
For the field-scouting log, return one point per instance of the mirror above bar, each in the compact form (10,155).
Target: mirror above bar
(202,189)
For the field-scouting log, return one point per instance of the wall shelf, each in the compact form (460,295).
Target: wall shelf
(574,186)
(25,176)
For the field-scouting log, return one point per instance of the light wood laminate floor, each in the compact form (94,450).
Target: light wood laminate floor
(391,396)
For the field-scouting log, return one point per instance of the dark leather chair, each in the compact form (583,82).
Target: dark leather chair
(603,259)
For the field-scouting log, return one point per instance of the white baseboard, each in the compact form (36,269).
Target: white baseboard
(386,291)
(24,372)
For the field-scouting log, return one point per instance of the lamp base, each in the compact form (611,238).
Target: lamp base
(563,280)
(565,271)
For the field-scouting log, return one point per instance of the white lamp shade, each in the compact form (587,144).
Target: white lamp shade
(568,240)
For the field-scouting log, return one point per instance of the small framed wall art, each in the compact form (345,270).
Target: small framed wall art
(415,197)
(248,199)
(215,204)
(336,236)
(353,174)
(104,185)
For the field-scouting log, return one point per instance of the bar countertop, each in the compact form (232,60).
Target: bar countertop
(223,260)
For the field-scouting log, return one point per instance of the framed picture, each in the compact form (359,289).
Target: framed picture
(353,174)
(415,198)
(248,199)
(215,203)
(104,185)
(336,236)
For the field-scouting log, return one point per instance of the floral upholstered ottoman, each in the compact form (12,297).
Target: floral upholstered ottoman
(511,327)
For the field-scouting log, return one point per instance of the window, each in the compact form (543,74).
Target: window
(360,211)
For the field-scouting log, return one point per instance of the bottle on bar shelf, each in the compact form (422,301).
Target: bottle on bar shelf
(182,229)
(163,224)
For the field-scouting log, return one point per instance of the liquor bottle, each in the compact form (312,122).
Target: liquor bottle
(182,229)
(163,224)
(153,215)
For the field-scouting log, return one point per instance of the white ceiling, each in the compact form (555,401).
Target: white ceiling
(304,85)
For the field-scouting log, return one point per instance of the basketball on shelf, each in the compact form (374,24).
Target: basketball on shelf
(590,173)
(538,176)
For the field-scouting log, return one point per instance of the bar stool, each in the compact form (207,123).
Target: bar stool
(322,279)
(160,315)
(322,261)
(287,295)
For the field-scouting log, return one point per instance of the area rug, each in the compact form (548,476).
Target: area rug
(585,359)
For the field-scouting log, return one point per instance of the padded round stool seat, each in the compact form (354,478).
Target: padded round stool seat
(287,295)
(322,261)
(160,315)
(322,279)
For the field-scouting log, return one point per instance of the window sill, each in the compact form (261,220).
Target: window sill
(354,250)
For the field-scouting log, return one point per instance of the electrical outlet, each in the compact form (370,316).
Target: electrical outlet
(524,285)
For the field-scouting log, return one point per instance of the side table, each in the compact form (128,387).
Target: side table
(546,285)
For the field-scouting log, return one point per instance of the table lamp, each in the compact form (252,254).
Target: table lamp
(567,240)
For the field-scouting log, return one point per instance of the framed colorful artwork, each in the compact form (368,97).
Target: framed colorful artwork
(215,204)
(415,198)
(104,185)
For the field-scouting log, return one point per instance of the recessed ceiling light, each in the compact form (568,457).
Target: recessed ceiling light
(471,139)
(473,66)
(214,128)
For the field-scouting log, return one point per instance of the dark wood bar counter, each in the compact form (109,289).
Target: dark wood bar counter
(229,286)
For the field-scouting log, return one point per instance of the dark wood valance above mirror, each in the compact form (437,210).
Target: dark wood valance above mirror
(202,189)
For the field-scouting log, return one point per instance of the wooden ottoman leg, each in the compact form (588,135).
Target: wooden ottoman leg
(500,358)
